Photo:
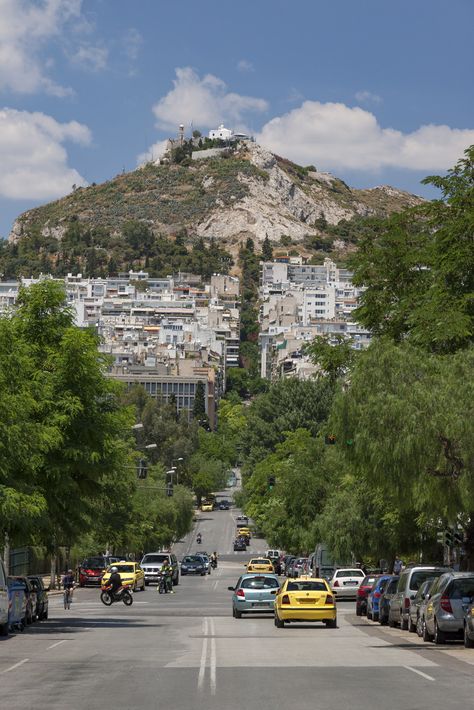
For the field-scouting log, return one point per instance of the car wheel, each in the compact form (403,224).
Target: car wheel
(146,584)
(383,620)
(426,636)
(439,636)
(391,623)
(370,615)
(411,626)
(358,611)
(203,574)
(279,623)
(419,627)
(375,616)
(331,624)
(468,641)
(404,624)
(238,614)
(3,629)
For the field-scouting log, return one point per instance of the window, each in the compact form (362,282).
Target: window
(306,587)
(259,583)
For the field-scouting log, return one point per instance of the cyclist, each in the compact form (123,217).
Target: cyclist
(68,585)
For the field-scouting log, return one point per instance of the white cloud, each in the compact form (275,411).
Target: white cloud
(91,57)
(25,27)
(132,44)
(335,136)
(153,153)
(205,102)
(366,97)
(33,159)
(244,65)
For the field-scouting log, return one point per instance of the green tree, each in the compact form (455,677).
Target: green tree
(267,251)
(199,407)
(334,355)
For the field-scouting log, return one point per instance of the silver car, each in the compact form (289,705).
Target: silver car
(254,593)
(450,598)
(345,582)
(409,583)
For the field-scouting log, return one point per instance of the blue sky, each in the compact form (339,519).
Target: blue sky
(374,91)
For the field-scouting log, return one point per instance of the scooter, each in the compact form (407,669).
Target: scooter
(162,584)
(124,595)
(199,539)
(214,563)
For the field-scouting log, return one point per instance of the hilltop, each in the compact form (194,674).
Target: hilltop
(244,192)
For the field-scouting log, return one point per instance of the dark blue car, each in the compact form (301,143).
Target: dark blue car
(373,597)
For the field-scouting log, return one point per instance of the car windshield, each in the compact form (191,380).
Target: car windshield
(419,577)
(462,588)
(368,581)
(259,583)
(260,562)
(154,559)
(300,586)
(392,586)
(123,568)
(300,560)
(192,558)
(94,563)
(350,573)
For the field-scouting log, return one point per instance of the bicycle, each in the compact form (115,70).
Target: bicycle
(67,597)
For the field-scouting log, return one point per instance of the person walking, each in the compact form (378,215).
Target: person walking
(397,565)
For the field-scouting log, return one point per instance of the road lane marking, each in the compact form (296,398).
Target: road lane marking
(423,675)
(215,585)
(16,665)
(213,658)
(58,643)
(202,666)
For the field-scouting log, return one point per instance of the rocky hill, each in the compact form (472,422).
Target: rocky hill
(248,193)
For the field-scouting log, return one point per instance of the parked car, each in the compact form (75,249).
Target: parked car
(386,597)
(305,599)
(152,563)
(30,596)
(373,597)
(287,560)
(4,602)
(130,573)
(254,594)
(17,605)
(409,583)
(240,545)
(41,611)
(362,592)
(92,569)
(449,601)
(416,614)
(193,564)
(297,567)
(345,582)
(469,627)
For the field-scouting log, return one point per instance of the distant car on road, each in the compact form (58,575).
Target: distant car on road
(240,545)
(260,564)
(242,520)
(130,573)
(224,505)
(345,582)
(193,564)
(152,563)
(92,569)
(254,594)
(206,560)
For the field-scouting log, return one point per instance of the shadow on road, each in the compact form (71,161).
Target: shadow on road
(75,625)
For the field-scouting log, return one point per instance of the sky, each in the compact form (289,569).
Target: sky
(374,91)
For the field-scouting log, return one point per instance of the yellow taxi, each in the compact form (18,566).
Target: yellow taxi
(260,564)
(130,573)
(207,507)
(243,531)
(305,599)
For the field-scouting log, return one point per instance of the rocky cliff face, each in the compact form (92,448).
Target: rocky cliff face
(250,193)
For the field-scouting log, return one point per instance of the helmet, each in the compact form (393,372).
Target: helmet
(114,569)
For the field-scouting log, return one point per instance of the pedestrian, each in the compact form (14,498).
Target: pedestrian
(397,565)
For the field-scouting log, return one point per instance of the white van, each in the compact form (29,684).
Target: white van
(3,601)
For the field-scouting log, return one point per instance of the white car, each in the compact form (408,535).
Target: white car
(345,582)
(273,554)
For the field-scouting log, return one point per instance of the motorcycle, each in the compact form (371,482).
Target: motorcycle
(199,539)
(214,563)
(162,584)
(122,595)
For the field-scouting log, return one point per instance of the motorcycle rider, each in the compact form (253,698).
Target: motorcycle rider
(114,582)
(199,538)
(214,559)
(167,572)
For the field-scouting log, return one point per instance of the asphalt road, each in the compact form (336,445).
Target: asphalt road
(185,651)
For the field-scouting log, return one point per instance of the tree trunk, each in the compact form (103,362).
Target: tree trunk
(6,553)
(52,584)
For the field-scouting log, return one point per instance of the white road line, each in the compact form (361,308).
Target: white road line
(423,675)
(202,667)
(215,585)
(58,643)
(213,658)
(12,668)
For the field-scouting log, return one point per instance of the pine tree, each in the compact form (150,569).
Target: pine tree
(267,251)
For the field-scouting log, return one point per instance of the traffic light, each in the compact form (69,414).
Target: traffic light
(330,439)
(458,538)
(169,490)
(271,482)
(142,469)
